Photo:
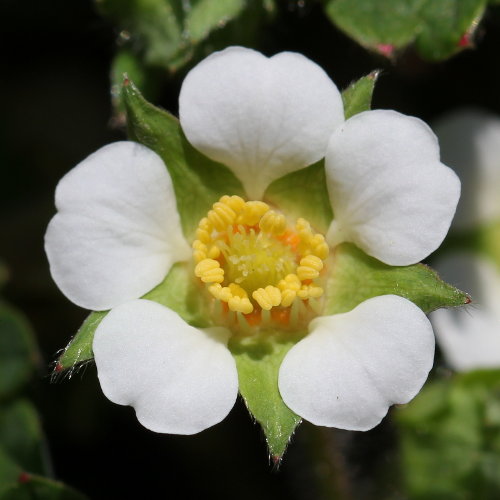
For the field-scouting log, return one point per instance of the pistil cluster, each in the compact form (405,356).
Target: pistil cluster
(253,260)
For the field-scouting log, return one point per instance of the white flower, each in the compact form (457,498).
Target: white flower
(117,233)
(470,338)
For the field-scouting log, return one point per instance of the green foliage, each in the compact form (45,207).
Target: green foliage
(450,438)
(258,361)
(18,354)
(437,27)
(198,181)
(356,277)
(21,436)
(172,33)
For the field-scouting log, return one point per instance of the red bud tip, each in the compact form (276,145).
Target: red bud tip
(465,40)
(468,300)
(58,368)
(386,49)
(276,460)
(24,478)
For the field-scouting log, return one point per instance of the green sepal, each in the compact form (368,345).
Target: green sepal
(358,96)
(18,353)
(303,193)
(450,438)
(258,361)
(356,277)
(437,27)
(198,181)
(177,291)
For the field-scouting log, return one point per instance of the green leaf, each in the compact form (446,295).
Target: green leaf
(356,277)
(33,487)
(18,353)
(9,472)
(450,438)
(358,96)
(21,436)
(177,291)
(167,31)
(198,181)
(288,194)
(437,27)
(258,361)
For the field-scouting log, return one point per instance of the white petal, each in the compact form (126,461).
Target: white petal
(117,231)
(390,194)
(179,379)
(353,366)
(470,144)
(470,337)
(262,117)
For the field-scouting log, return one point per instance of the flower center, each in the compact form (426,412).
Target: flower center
(253,261)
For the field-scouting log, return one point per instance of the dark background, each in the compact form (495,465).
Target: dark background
(55,110)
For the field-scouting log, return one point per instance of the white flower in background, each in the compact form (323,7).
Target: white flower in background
(470,338)
(117,234)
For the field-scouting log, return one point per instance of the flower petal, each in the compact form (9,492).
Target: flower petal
(117,231)
(390,194)
(179,379)
(470,144)
(262,117)
(353,366)
(470,337)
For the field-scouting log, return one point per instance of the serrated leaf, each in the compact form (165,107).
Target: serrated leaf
(177,292)
(436,26)
(450,438)
(198,181)
(18,353)
(288,193)
(358,96)
(356,277)
(21,436)
(258,362)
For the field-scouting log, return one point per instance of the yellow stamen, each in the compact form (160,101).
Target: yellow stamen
(209,271)
(253,261)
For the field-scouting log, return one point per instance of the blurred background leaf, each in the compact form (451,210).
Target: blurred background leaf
(439,28)
(450,438)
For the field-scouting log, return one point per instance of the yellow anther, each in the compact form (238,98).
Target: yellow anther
(319,246)
(221,216)
(252,212)
(291,282)
(237,291)
(267,297)
(209,271)
(240,304)
(205,224)
(309,268)
(213,252)
(310,292)
(235,202)
(203,235)
(199,250)
(304,229)
(273,223)
(220,292)
(287,297)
